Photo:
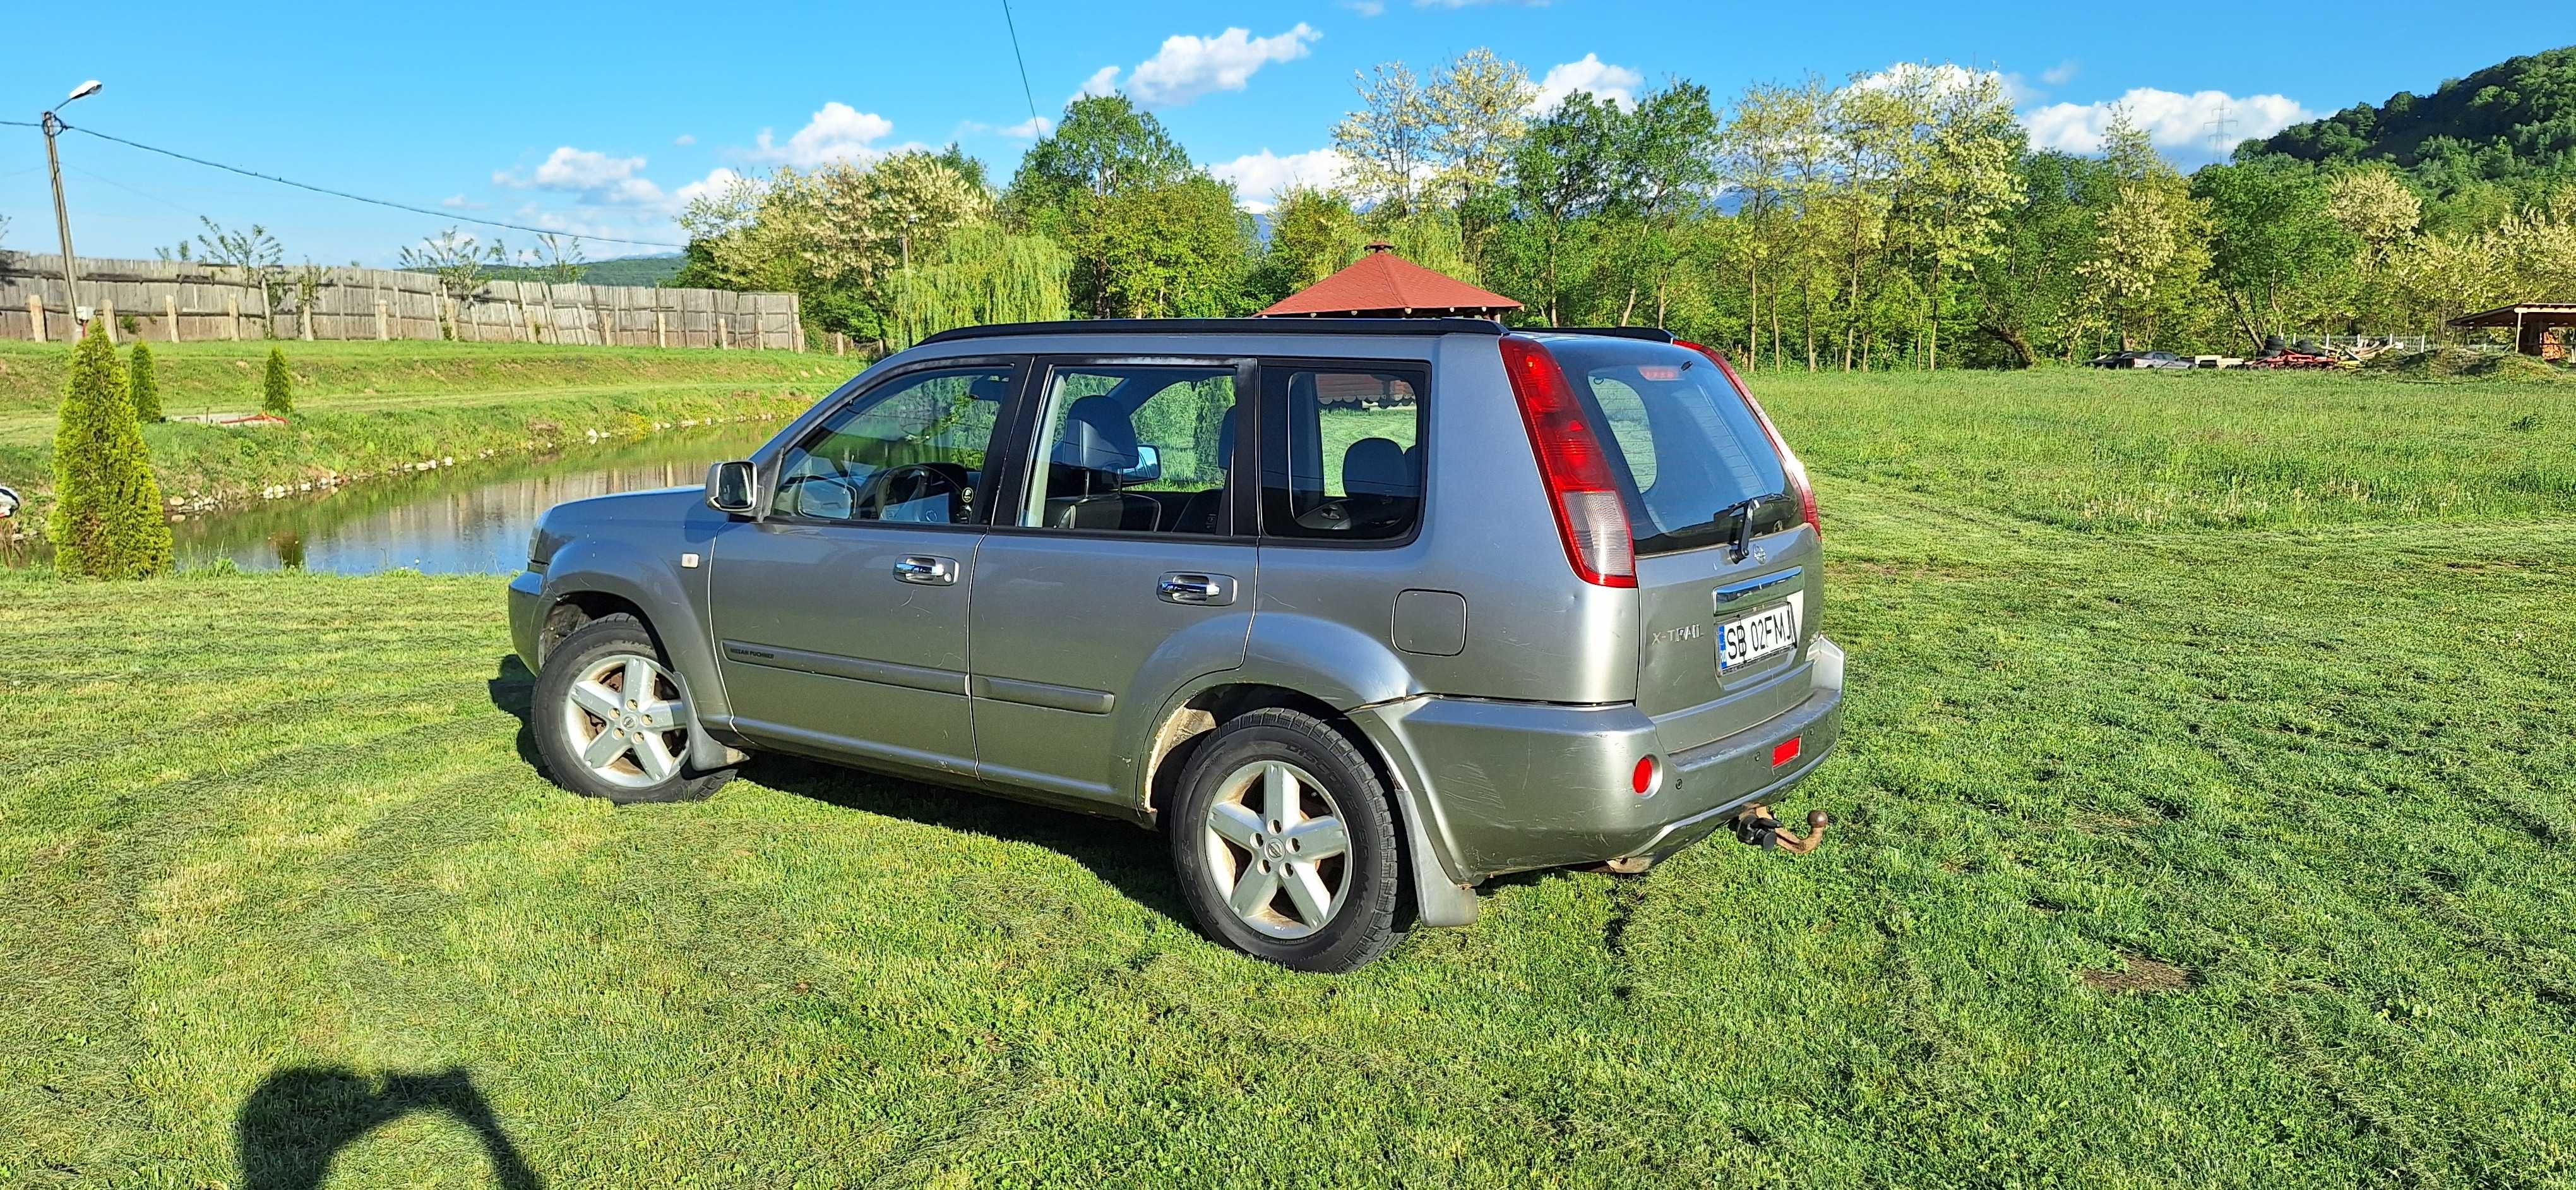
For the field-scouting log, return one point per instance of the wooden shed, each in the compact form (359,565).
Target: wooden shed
(2539,328)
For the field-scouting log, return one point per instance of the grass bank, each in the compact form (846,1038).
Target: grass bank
(2171,853)
(365,409)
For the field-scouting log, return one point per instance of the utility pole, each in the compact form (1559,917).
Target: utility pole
(54,126)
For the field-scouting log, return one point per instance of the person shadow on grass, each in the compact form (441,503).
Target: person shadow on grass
(301,1117)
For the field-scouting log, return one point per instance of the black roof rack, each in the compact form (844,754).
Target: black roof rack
(1651,334)
(1235,326)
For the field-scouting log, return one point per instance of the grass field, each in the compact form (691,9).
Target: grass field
(364,408)
(2197,829)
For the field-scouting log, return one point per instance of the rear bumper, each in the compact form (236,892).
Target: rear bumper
(1508,787)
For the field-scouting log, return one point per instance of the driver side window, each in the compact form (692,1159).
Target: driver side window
(911,451)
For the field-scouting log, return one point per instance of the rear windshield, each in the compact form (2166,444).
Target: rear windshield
(1687,448)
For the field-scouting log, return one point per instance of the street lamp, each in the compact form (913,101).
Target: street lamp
(54,126)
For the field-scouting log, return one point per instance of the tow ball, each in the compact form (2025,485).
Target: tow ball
(1756,827)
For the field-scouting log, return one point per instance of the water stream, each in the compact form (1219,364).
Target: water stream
(471,519)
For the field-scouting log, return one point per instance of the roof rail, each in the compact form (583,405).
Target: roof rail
(1233,326)
(1651,334)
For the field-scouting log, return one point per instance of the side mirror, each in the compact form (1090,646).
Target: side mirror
(733,487)
(1149,466)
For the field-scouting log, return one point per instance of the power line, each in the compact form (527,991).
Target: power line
(450,216)
(1025,92)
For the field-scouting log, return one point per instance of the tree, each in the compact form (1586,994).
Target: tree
(461,263)
(2151,245)
(107,520)
(981,274)
(558,260)
(1664,162)
(2277,251)
(1180,250)
(1388,141)
(1313,234)
(1478,108)
(143,382)
(1972,147)
(252,255)
(1104,146)
(277,386)
(1562,174)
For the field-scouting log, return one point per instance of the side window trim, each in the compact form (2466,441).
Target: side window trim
(1020,454)
(1273,413)
(771,461)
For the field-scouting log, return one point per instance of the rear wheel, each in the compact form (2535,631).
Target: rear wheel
(1286,846)
(612,720)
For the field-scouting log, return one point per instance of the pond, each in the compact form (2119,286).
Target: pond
(472,519)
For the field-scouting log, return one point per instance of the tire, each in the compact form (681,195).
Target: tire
(1256,810)
(577,707)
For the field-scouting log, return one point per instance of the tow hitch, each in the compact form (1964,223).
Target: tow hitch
(1756,827)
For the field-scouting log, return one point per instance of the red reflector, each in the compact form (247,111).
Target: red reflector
(1644,778)
(1784,751)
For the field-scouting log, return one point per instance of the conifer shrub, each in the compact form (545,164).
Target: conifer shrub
(107,520)
(144,381)
(277,389)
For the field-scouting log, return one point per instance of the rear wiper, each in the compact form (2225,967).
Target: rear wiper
(1744,528)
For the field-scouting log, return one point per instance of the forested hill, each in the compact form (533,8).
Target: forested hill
(2512,122)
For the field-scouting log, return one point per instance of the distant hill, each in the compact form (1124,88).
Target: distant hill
(2514,122)
(624,270)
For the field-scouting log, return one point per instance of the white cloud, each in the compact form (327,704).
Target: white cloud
(1457,4)
(2172,120)
(1189,66)
(1030,129)
(1103,81)
(458,202)
(2060,74)
(717,181)
(1944,78)
(838,132)
(684,140)
(1366,8)
(1613,84)
(1259,177)
(596,176)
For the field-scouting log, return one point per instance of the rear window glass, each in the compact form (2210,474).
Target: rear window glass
(1687,447)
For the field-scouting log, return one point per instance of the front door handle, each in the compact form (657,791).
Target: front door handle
(927,570)
(1196,590)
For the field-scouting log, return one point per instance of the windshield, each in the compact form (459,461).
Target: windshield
(1687,448)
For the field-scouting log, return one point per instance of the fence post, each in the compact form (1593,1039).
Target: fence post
(232,317)
(170,313)
(607,328)
(840,343)
(107,314)
(661,329)
(724,330)
(36,315)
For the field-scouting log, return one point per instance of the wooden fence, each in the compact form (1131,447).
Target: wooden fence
(189,301)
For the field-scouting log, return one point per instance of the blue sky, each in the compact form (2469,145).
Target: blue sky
(599,119)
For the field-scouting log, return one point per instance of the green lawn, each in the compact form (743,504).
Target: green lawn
(366,408)
(2176,848)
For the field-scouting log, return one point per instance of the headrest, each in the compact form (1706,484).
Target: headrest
(1377,467)
(1097,437)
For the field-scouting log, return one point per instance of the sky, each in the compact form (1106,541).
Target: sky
(603,120)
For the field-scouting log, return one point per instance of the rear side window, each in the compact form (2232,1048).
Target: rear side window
(1688,448)
(1341,451)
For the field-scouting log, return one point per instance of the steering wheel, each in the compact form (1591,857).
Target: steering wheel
(908,483)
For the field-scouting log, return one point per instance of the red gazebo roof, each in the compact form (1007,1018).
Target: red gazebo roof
(1381,284)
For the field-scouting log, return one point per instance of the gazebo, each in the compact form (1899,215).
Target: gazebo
(1381,284)
(2539,328)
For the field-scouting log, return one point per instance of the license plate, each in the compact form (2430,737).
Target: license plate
(1773,629)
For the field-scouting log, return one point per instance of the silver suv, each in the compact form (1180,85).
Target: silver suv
(1358,612)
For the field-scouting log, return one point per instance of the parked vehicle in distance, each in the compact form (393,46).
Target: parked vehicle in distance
(2138,359)
(1358,612)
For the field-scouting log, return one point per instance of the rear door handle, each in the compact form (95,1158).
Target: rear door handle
(927,570)
(1196,590)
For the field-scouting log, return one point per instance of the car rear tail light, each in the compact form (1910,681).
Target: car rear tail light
(1799,485)
(1580,488)
(1786,750)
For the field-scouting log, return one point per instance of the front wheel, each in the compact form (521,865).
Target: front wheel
(1286,846)
(612,720)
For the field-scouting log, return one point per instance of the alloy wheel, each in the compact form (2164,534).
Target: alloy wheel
(625,719)
(1277,849)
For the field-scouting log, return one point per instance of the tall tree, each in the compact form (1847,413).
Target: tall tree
(2276,250)
(1388,142)
(1972,147)
(1562,177)
(253,255)
(1665,167)
(1478,108)
(107,520)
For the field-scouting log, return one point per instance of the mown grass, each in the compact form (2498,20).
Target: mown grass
(273,861)
(368,408)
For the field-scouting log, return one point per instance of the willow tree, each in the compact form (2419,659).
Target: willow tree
(979,274)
